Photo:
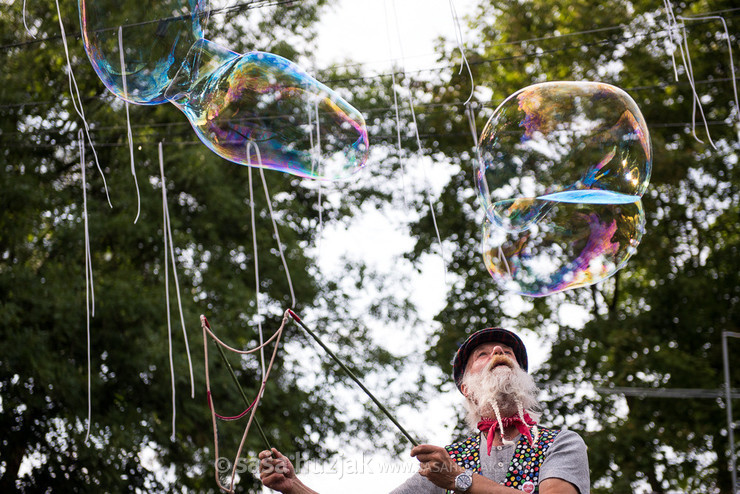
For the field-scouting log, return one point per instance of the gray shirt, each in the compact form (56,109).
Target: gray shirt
(565,459)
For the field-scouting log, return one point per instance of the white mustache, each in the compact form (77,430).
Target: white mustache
(500,360)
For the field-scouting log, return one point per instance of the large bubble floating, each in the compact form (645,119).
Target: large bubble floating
(155,38)
(154,54)
(562,171)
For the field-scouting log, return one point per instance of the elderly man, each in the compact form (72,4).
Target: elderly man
(508,452)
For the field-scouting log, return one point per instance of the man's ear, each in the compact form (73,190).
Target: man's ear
(466,392)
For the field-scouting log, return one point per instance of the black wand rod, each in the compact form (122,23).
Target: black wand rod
(354,378)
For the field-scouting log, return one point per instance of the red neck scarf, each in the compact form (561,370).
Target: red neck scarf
(489,426)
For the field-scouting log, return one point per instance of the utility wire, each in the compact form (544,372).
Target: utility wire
(370,111)
(442,68)
(538,53)
(150,139)
(147,134)
(667,392)
(476,62)
(269,3)
(239,7)
(418,105)
(377,110)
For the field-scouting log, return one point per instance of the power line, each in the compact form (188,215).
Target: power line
(606,29)
(251,4)
(714,12)
(536,54)
(147,139)
(186,125)
(539,54)
(262,3)
(369,111)
(254,4)
(459,103)
(668,392)
(265,3)
(487,61)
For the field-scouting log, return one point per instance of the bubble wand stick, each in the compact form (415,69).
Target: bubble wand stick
(352,375)
(249,404)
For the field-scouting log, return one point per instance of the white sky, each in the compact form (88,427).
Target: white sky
(373,32)
(358,30)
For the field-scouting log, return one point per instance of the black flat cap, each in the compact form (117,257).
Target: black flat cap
(498,335)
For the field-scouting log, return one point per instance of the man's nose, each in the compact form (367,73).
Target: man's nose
(497,350)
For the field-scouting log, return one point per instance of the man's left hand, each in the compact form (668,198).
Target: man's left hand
(437,465)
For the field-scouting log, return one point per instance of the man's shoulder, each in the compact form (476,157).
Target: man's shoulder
(571,437)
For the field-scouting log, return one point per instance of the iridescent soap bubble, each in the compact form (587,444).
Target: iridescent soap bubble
(563,168)
(256,109)
(155,37)
(296,124)
(567,246)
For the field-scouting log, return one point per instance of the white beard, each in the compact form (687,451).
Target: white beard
(502,390)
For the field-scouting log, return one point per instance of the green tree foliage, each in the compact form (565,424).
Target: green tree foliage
(658,322)
(43,360)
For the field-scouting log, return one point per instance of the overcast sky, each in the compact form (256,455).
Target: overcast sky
(377,34)
(361,32)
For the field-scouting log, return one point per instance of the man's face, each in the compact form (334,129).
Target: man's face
(489,356)
(494,384)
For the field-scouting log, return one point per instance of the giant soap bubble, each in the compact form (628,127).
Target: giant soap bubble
(155,38)
(255,109)
(563,168)
(299,125)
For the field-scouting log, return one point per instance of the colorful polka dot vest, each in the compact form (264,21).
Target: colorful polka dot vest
(524,468)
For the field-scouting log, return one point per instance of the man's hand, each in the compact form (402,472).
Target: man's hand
(276,471)
(437,465)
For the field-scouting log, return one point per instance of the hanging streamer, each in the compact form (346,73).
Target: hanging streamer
(470,114)
(729,50)
(77,103)
(169,325)
(319,164)
(420,150)
(683,45)
(395,107)
(24,21)
(315,164)
(428,191)
(281,248)
(169,252)
(461,47)
(89,285)
(128,125)
(256,264)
